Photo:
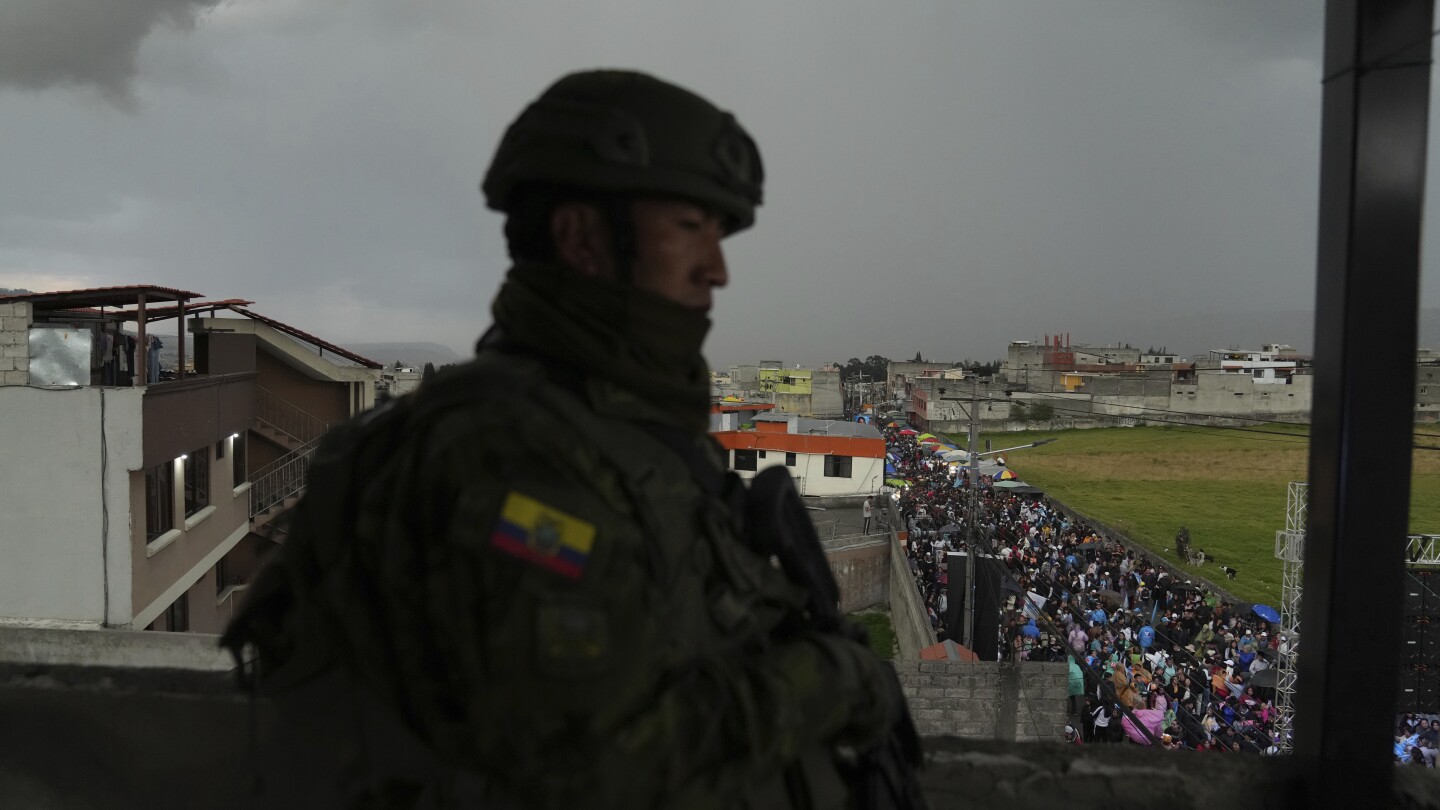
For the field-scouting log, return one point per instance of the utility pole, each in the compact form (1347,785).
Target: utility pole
(973,535)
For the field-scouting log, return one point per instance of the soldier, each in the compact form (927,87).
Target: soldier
(1182,544)
(537,560)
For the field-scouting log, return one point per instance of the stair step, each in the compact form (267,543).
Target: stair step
(278,437)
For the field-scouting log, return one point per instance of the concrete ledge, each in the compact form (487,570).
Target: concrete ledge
(38,647)
(158,544)
(982,774)
(211,759)
(199,517)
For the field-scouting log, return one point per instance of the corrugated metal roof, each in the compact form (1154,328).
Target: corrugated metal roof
(161,313)
(127,295)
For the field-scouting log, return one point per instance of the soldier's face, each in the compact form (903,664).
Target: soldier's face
(677,252)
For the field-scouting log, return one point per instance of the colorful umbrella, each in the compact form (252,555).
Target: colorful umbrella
(897,482)
(1006,475)
(909,432)
(1267,613)
(1152,719)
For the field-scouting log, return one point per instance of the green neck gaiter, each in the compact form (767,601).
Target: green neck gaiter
(637,340)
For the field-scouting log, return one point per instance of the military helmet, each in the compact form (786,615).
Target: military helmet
(628,133)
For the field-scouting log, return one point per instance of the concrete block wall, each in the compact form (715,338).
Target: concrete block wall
(907,612)
(863,574)
(993,700)
(15,343)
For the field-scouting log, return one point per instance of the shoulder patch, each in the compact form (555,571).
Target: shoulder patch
(543,535)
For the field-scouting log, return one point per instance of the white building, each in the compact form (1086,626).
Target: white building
(827,458)
(1275,364)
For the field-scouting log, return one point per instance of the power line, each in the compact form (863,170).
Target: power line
(1380,62)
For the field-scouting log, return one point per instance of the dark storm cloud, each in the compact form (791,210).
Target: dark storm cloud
(44,43)
(942,176)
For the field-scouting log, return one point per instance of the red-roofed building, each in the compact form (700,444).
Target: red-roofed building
(826,458)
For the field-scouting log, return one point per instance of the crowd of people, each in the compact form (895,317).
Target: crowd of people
(1162,661)
(1417,739)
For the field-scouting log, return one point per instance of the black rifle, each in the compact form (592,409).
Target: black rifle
(884,776)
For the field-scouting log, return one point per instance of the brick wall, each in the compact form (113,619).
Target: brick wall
(15,344)
(986,700)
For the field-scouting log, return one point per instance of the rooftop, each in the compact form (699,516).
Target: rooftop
(824,427)
(128,295)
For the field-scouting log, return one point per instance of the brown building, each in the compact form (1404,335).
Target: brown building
(133,493)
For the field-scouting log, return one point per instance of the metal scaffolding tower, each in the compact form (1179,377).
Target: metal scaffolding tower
(1423,549)
(1290,548)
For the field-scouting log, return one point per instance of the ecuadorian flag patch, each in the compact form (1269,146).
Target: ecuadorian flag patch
(543,535)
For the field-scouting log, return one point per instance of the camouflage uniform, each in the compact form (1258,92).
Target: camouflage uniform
(522,561)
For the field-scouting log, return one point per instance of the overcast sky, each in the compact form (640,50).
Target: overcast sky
(943,176)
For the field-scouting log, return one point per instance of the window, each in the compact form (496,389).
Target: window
(762,454)
(789,459)
(159,500)
(177,616)
(220,579)
(746,460)
(1259,374)
(837,466)
(197,481)
(237,460)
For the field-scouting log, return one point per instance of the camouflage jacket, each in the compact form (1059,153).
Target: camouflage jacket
(540,588)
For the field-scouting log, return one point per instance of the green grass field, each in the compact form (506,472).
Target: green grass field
(882,633)
(1227,486)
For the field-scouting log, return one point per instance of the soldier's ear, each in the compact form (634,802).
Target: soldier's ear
(582,239)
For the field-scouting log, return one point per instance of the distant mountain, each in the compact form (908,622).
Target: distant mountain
(14,291)
(410,354)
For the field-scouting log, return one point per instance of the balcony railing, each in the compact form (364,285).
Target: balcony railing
(284,416)
(273,483)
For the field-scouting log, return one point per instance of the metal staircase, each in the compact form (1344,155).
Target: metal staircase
(278,485)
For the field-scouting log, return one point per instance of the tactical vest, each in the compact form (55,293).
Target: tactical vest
(678,541)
